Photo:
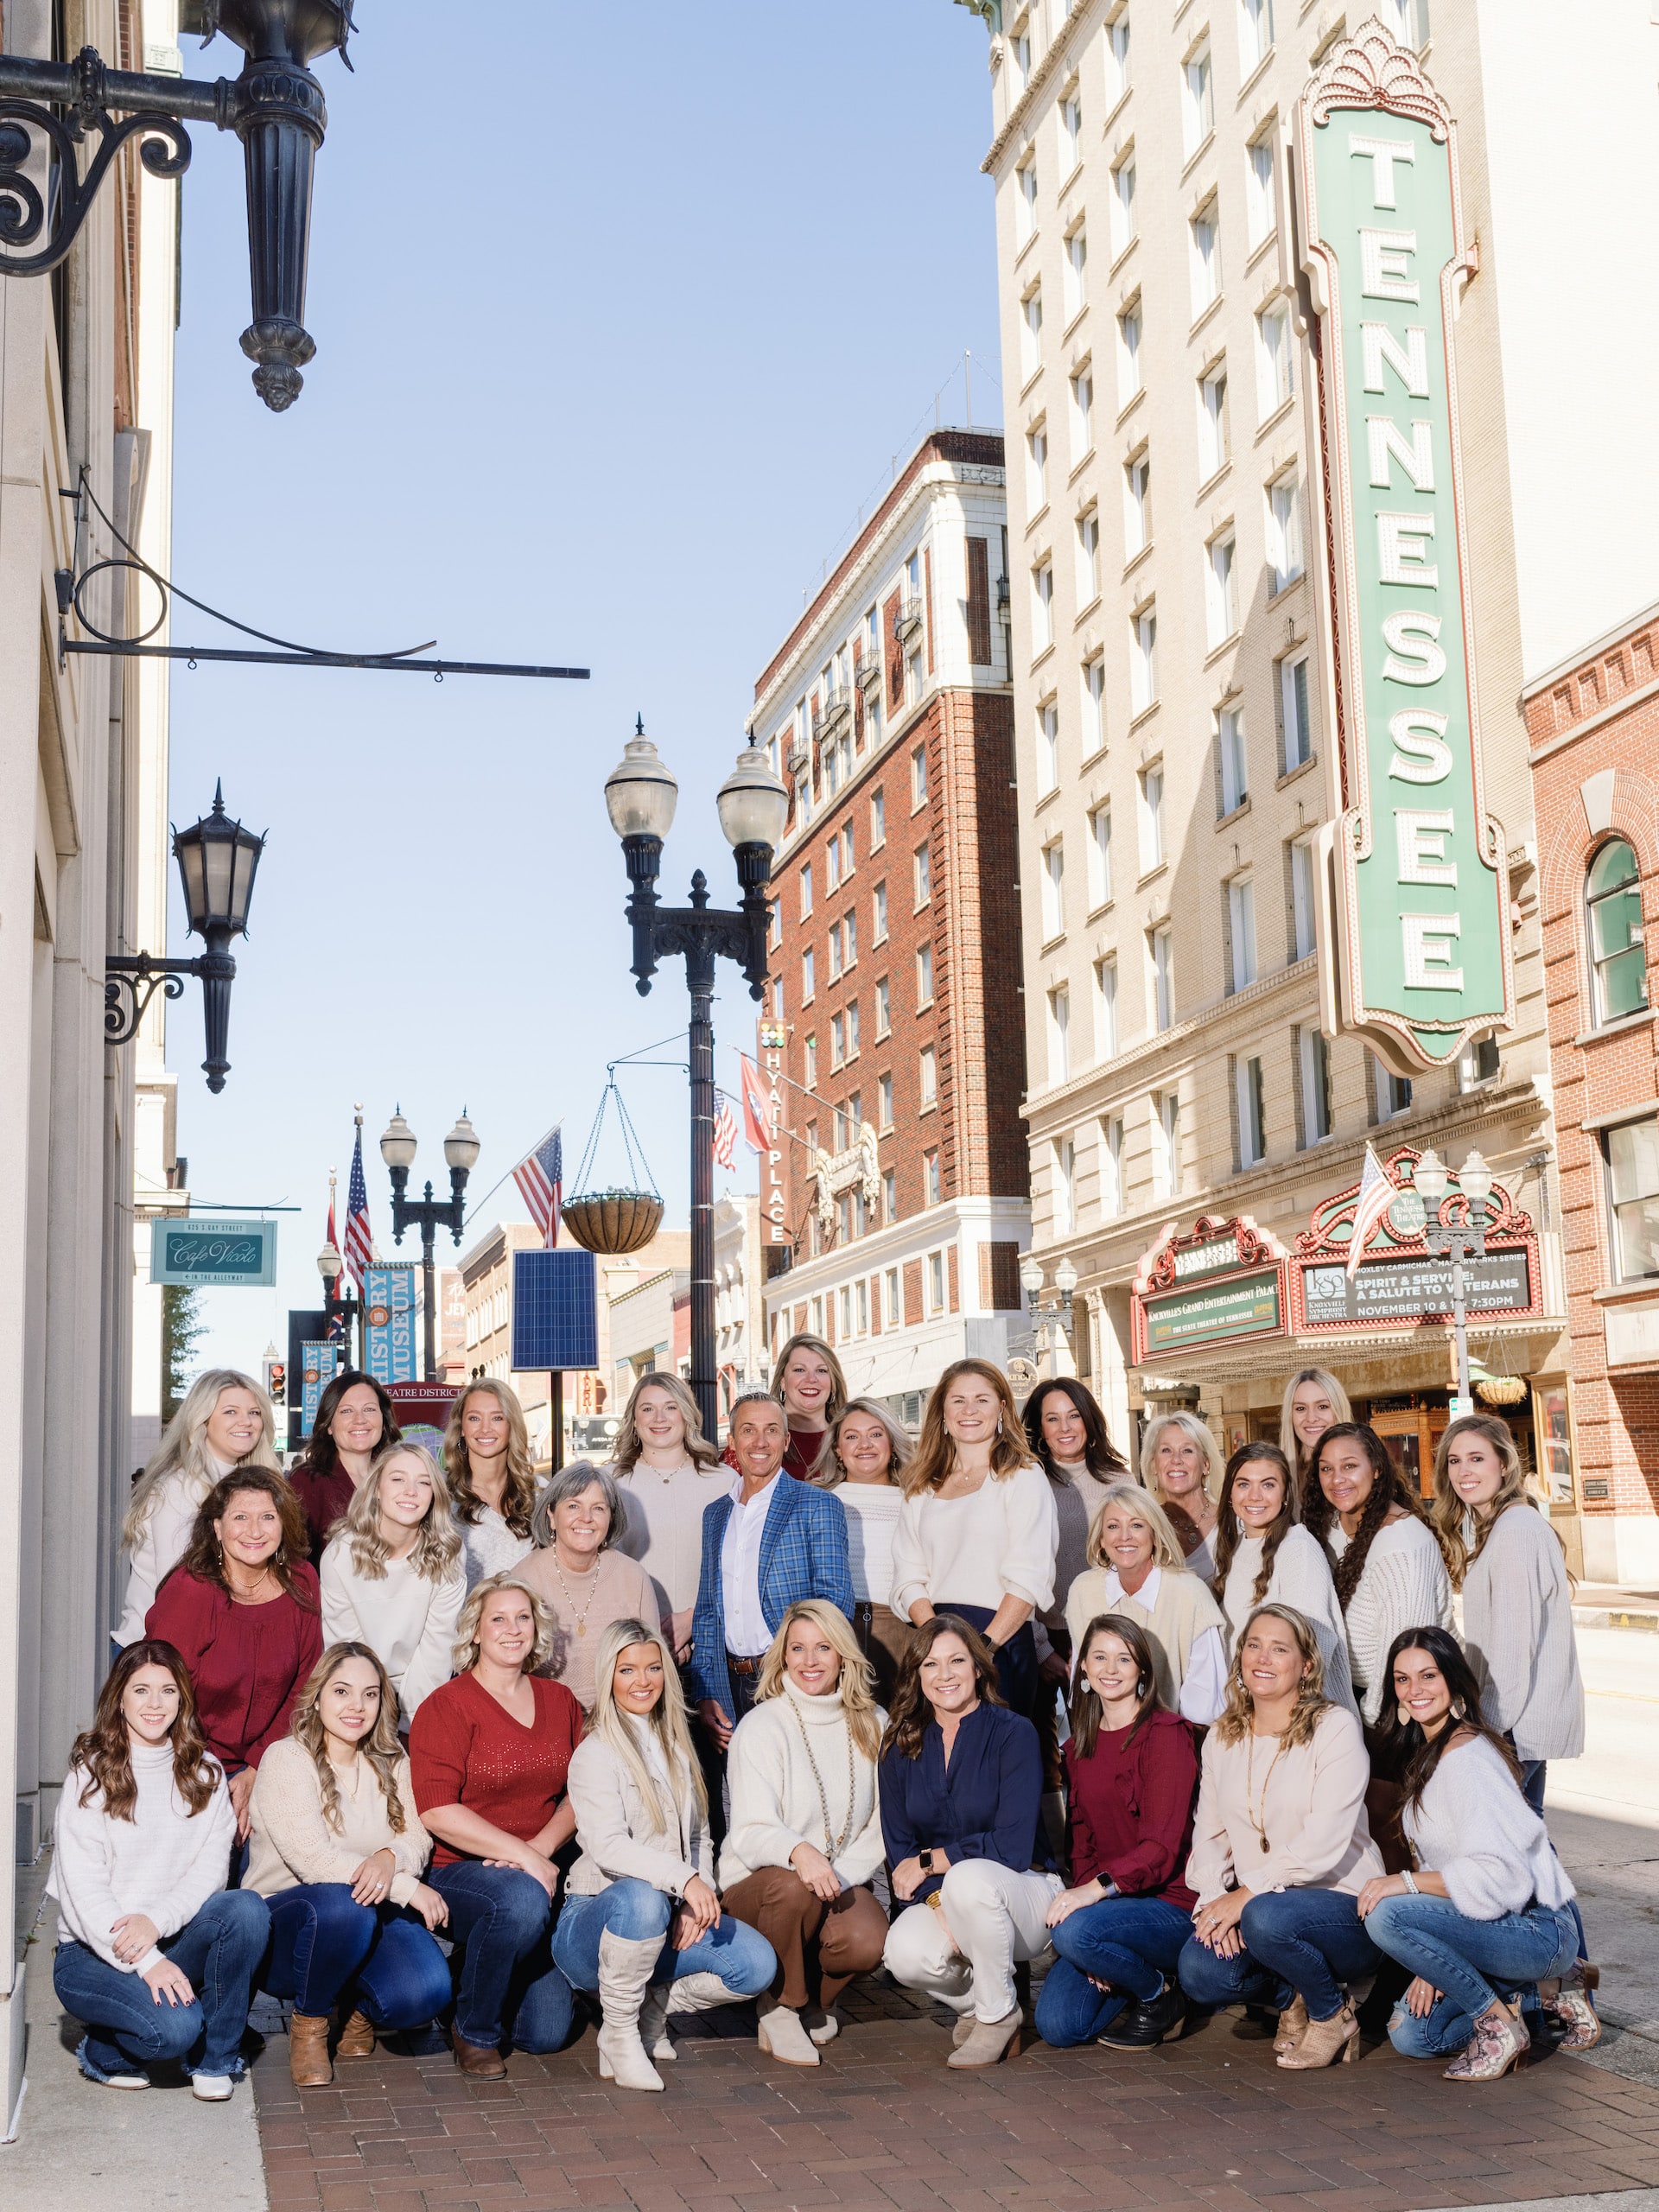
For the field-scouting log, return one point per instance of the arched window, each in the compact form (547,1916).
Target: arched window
(1618,962)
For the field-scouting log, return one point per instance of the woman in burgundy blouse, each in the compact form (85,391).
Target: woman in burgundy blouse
(489,1753)
(242,1608)
(1132,1776)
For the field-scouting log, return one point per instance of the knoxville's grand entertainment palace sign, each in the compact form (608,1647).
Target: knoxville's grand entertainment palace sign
(1416,942)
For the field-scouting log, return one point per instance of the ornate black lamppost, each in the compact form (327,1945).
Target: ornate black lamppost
(217,860)
(1457,1240)
(427,1214)
(640,794)
(344,1310)
(276,108)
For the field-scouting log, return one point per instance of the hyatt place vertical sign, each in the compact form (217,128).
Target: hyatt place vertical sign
(1419,888)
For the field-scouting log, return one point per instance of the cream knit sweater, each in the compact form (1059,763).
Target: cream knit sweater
(775,1800)
(1475,1829)
(293,1843)
(409,1620)
(1301,1579)
(1404,1584)
(1308,1803)
(1517,1629)
(999,1541)
(164,1862)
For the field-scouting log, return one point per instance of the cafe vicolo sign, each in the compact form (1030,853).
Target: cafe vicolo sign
(1415,951)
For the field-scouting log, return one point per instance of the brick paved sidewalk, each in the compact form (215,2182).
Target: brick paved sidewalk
(883,2127)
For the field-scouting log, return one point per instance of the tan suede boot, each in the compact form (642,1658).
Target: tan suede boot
(308,2050)
(356,2038)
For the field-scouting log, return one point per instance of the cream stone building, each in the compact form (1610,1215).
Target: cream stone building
(1175,709)
(86,384)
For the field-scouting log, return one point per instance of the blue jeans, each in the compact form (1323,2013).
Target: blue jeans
(1534,1774)
(1474,1962)
(1297,1942)
(739,1955)
(499,1917)
(125,2026)
(323,1945)
(1131,1943)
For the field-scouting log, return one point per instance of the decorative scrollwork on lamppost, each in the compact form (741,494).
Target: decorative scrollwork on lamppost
(640,796)
(218,860)
(1457,1240)
(428,1215)
(276,107)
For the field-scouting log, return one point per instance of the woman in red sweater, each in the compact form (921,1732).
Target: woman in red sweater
(489,1752)
(243,1609)
(1132,1777)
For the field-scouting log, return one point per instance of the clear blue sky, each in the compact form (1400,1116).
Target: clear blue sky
(605,366)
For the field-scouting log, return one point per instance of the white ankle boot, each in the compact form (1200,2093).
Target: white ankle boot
(782,2036)
(654,2021)
(626,1968)
(697,1992)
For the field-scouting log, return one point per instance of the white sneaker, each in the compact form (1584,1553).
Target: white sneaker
(211,2089)
(120,2081)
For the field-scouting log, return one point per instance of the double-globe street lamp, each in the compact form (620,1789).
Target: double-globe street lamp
(1051,1320)
(428,1214)
(344,1310)
(640,796)
(1457,1240)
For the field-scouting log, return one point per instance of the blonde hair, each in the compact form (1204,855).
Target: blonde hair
(466,1644)
(666,1719)
(438,1545)
(519,1501)
(835,1404)
(629,1444)
(936,1449)
(899,1442)
(380,1747)
(1289,1443)
(183,1447)
(857,1675)
(1165,1545)
(1312,1703)
(1199,1434)
(1447,1513)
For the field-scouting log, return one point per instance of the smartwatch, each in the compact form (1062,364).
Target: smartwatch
(924,1860)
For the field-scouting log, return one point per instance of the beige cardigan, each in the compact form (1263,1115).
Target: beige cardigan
(1182,1610)
(1310,1801)
(292,1843)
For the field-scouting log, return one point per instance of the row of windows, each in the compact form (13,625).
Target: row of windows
(846,726)
(839,853)
(876,1302)
(484,1318)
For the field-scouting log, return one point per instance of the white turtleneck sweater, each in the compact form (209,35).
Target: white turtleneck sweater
(162,1540)
(164,1862)
(1301,1578)
(776,1802)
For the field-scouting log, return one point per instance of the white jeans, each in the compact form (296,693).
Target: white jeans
(998,1919)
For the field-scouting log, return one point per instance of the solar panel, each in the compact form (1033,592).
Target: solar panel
(555,1316)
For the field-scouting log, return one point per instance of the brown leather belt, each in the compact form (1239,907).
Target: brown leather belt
(745,1666)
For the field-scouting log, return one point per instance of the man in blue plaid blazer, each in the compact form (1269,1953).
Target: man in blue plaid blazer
(772,1542)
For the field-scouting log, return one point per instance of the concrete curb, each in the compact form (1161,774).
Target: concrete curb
(1612,1617)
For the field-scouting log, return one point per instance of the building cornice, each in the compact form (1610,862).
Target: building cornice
(1591,723)
(897,1241)
(1596,650)
(1048,67)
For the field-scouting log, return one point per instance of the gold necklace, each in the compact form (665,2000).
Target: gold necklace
(582,1618)
(1260,1826)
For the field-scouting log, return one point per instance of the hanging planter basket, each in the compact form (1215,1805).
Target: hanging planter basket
(1497,1387)
(625,1217)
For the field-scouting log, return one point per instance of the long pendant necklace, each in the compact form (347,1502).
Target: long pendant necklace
(582,1618)
(834,1845)
(1260,1825)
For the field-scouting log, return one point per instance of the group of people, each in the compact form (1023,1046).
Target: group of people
(426,1747)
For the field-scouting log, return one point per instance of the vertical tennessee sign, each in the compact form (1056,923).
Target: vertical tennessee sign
(1421,892)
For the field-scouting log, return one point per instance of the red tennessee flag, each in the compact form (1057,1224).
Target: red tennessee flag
(757,1106)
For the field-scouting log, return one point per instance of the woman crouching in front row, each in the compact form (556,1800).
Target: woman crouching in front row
(1488,1913)
(1281,1848)
(1131,1776)
(961,1788)
(642,1923)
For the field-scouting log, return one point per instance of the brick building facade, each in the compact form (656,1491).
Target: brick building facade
(896,958)
(1593,724)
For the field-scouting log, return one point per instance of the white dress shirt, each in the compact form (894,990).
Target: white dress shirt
(1203,1695)
(747,1633)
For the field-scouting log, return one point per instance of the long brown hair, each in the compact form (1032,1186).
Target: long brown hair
(1312,1704)
(1447,1515)
(380,1747)
(1230,1530)
(912,1715)
(204,1558)
(935,1449)
(104,1752)
(322,1453)
(834,1405)
(1087,1712)
(518,1499)
(1401,1743)
(1100,1455)
(1389,1489)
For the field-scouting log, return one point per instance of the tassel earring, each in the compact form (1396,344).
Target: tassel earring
(1459,1711)
(1405,1718)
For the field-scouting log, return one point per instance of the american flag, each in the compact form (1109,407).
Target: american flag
(540,1177)
(726,1137)
(360,1244)
(1376,1194)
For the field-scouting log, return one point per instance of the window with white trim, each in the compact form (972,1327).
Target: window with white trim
(1076,272)
(1151,783)
(1198,101)
(878,820)
(1088,557)
(1111,1165)
(1241,932)
(1137,503)
(1212,422)
(1128,352)
(1285,528)
(1632,1153)
(1025,205)
(1064,1187)
(1314,1058)
(923,977)
(1094,705)
(1203,235)
(806,891)
(1249,1105)
(1031,331)
(1042,598)
(1048,747)
(1232,758)
(1166,1144)
(1071,129)
(928,1079)
(1254,35)
(1301,899)
(1275,375)
(807,965)
(1082,412)
(1612,903)
(1106,1008)
(1162,942)
(1123,205)
(1220,589)
(1295,719)
(1143,660)
(1059,1034)
(1053,889)
(1260,208)
(1117,59)
(1100,855)
(1037,466)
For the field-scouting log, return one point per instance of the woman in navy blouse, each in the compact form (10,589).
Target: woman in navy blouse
(962,1784)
